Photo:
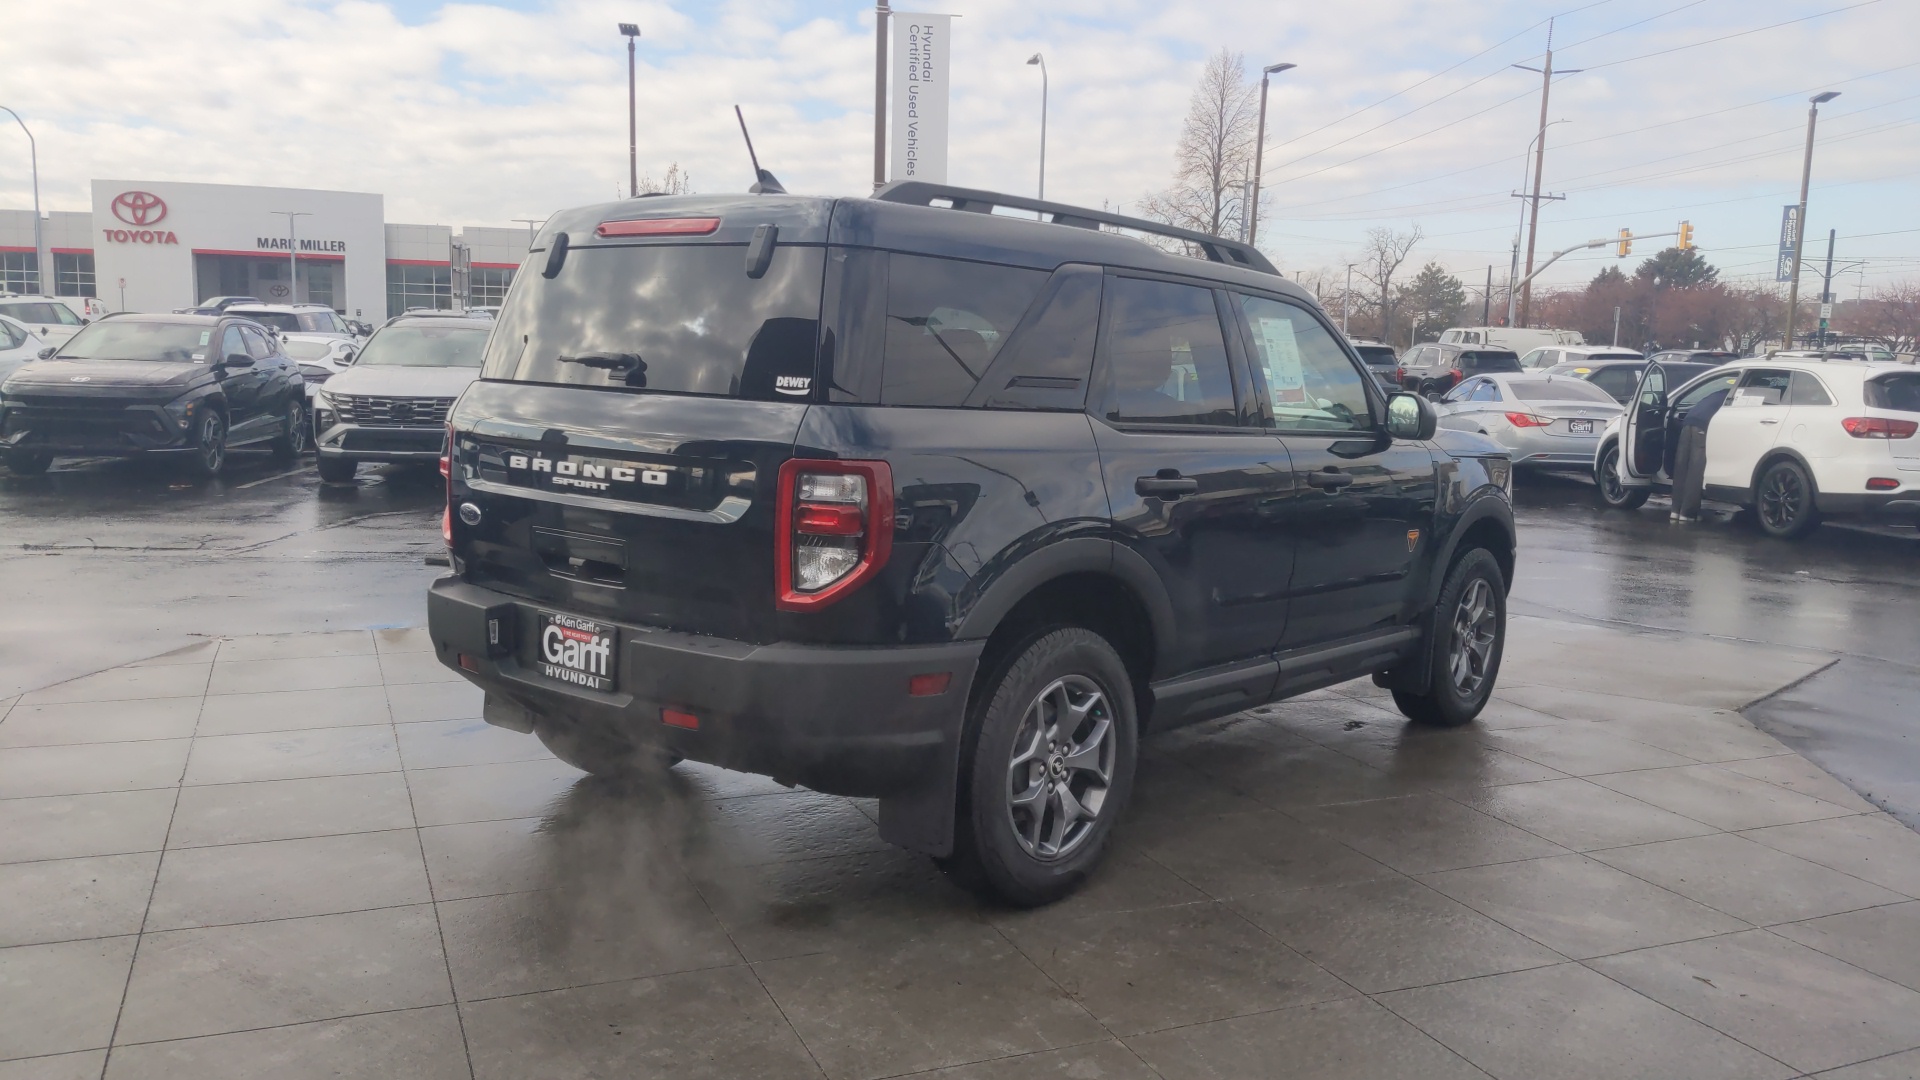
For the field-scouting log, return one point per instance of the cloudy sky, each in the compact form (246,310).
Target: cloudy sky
(1401,111)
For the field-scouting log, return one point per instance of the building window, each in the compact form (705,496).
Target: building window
(19,272)
(488,286)
(415,286)
(73,273)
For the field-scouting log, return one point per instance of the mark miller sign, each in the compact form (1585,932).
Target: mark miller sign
(919,113)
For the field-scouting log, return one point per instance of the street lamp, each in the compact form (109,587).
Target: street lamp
(632,31)
(33,152)
(1036,58)
(293,266)
(1800,226)
(1260,146)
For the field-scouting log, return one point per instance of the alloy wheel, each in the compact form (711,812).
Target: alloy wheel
(1782,500)
(1610,487)
(213,443)
(1475,625)
(297,429)
(1062,767)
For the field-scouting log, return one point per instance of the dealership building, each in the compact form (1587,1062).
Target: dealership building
(150,245)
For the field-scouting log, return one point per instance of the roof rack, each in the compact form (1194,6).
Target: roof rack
(1217,249)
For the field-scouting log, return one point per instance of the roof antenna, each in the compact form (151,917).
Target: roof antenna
(763,181)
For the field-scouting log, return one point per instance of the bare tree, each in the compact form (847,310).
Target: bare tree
(1891,317)
(1215,152)
(674,182)
(1379,261)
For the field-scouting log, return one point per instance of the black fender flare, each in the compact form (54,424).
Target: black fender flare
(999,590)
(1478,509)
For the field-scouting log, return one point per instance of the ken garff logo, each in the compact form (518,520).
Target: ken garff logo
(139,208)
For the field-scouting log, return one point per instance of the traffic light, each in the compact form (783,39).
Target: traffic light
(1685,243)
(1625,247)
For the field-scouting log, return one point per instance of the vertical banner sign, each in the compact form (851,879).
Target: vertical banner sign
(918,127)
(1789,234)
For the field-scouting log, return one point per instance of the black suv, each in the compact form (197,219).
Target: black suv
(899,497)
(1432,370)
(136,384)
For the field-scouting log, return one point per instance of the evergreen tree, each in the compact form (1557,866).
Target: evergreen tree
(1676,269)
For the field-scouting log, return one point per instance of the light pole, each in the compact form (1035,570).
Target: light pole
(39,253)
(1036,58)
(293,266)
(531,223)
(632,31)
(880,14)
(1800,228)
(1260,146)
(1346,299)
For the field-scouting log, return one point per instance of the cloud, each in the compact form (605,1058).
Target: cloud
(470,113)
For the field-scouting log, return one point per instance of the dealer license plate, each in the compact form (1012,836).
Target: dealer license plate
(1580,427)
(577,651)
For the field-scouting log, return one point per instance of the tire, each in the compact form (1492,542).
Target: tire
(1606,480)
(603,755)
(1036,844)
(1469,636)
(27,462)
(1783,501)
(209,455)
(337,470)
(292,442)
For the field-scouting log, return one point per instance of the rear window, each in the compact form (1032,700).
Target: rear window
(59,314)
(1566,389)
(279,320)
(1899,392)
(1376,354)
(682,319)
(1490,360)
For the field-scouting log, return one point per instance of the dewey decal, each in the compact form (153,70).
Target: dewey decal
(588,475)
(792,384)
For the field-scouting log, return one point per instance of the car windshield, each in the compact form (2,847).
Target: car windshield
(1899,392)
(41,312)
(138,339)
(425,346)
(307,350)
(1568,389)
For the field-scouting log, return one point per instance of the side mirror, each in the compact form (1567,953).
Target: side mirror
(238,360)
(47,353)
(1410,416)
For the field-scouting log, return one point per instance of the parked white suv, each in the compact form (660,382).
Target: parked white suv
(51,318)
(1796,440)
(1520,339)
(1549,356)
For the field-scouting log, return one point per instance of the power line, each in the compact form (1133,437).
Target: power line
(1730,37)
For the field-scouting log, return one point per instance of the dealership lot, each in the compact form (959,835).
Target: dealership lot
(250,837)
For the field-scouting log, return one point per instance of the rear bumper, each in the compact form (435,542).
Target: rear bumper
(834,718)
(1892,506)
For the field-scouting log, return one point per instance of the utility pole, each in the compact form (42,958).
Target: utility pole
(1260,145)
(1539,165)
(880,13)
(1826,290)
(293,265)
(1616,326)
(1346,299)
(632,32)
(1800,229)
(1486,298)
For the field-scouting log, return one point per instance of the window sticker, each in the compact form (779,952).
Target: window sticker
(206,336)
(1284,379)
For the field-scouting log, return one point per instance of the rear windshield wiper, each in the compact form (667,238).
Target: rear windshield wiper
(610,361)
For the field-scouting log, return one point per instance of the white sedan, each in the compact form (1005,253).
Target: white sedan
(1544,420)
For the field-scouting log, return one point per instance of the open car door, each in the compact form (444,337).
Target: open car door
(1646,428)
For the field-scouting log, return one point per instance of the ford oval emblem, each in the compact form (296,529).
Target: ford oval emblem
(470,513)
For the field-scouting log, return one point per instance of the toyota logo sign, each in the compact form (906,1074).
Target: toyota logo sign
(139,208)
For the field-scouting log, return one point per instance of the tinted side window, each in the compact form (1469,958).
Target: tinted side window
(1806,390)
(1164,355)
(946,320)
(1899,392)
(1310,383)
(1486,391)
(1046,365)
(257,344)
(231,343)
(1616,381)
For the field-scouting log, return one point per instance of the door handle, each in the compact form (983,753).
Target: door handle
(1168,485)
(1769,421)
(1329,479)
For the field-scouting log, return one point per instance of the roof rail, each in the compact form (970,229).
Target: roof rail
(1217,249)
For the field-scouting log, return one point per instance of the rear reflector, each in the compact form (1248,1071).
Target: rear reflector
(469,662)
(1883,483)
(669,226)
(832,519)
(931,685)
(676,718)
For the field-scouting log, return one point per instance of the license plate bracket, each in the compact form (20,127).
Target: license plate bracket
(1580,427)
(576,651)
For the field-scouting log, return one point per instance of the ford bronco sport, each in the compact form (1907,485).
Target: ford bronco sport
(900,497)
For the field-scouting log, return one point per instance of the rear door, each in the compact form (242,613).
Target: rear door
(1361,506)
(1197,486)
(1747,426)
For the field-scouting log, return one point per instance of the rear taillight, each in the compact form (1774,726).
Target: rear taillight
(1879,427)
(446,473)
(1400,373)
(1520,419)
(833,529)
(1457,374)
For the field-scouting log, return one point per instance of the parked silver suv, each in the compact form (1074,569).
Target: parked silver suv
(392,403)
